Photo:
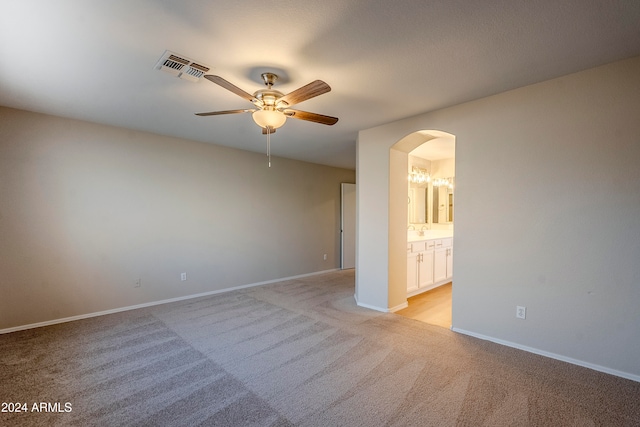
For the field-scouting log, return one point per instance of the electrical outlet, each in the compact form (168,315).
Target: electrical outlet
(521,312)
(183,276)
(138,283)
(325,257)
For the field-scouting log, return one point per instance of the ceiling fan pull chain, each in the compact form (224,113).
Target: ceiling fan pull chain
(269,144)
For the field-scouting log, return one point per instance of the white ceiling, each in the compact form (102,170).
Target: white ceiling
(436,149)
(94,60)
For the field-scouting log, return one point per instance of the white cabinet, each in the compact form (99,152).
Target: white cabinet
(419,266)
(412,271)
(440,264)
(429,264)
(443,260)
(425,269)
(450,264)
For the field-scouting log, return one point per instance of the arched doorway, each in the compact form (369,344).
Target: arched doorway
(399,155)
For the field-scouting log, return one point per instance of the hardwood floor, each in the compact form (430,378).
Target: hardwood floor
(433,307)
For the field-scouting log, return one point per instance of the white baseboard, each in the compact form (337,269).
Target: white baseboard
(376,308)
(429,288)
(399,307)
(370,307)
(150,304)
(560,357)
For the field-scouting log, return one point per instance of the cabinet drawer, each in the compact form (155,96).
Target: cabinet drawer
(416,247)
(430,245)
(447,242)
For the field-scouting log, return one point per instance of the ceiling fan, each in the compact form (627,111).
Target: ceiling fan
(272,106)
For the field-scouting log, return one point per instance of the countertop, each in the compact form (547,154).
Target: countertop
(413,236)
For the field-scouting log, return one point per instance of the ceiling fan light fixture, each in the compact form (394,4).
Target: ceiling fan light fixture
(269,118)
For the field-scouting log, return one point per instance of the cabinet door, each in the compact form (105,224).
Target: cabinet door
(450,264)
(439,265)
(412,272)
(425,269)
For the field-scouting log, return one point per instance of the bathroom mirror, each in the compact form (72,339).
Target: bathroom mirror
(430,204)
(418,207)
(431,173)
(442,205)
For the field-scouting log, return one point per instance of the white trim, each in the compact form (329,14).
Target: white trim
(430,287)
(384,310)
(371,307)
(399,307)
(150,304)
(573,361)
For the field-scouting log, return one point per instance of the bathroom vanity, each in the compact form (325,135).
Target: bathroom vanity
(429,260)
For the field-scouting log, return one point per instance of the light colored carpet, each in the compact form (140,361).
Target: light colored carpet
(293,353)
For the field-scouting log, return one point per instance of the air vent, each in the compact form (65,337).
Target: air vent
(181,66)
(195,70)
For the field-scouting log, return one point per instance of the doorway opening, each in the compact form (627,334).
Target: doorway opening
(428,160)
(432,307)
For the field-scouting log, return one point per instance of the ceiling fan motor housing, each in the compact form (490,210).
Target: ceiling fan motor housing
(268,97)
(269,79)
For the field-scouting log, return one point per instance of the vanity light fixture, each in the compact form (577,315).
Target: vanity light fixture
(419,175)
(443,182)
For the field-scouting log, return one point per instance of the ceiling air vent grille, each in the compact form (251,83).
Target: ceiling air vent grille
(196,70)
(175,62)
(181,66)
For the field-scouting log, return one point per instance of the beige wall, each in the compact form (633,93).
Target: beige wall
(444,168)
(87,209)
(419,162)
(553,224)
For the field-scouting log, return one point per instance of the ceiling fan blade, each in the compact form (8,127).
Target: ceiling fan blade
(309,91)
(218,113)
(311,117)
(230,87)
